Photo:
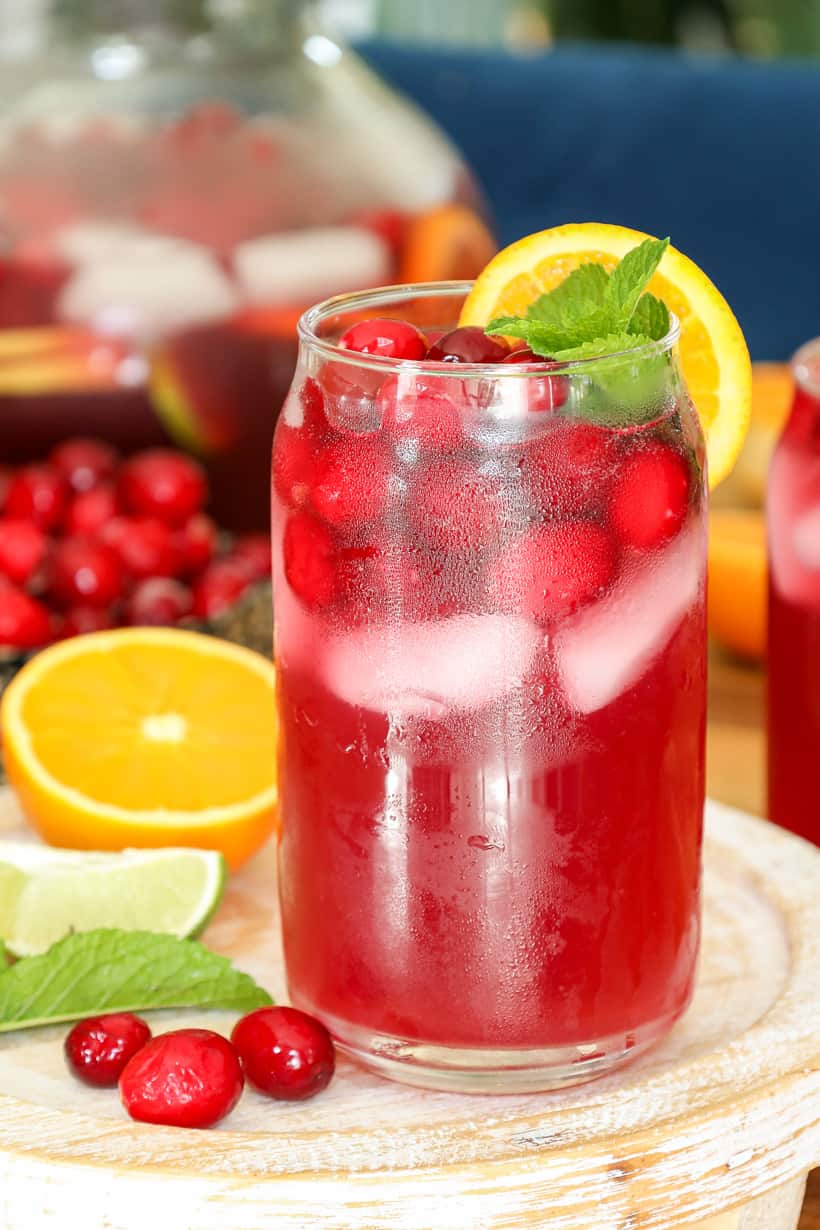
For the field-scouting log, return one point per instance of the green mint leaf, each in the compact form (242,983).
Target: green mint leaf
(602,347)
(629,278)
(542,338)
(120,971)
(650,318)
(581,294)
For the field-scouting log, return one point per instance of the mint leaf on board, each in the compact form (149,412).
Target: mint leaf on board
(630,276)
(120,971)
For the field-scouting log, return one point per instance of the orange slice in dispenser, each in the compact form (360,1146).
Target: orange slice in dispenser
(737,581)
(713,352)
(449,242)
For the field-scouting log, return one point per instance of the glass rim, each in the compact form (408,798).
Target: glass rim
(400,292)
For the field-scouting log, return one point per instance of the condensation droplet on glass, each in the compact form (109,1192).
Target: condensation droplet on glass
(479,842)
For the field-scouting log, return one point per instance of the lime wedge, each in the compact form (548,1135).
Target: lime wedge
(45,894)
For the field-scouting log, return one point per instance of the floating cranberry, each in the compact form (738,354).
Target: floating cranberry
(98,1048)
(468,345)
(89,511)
(286,1054)
(164,484)
(418,407)
(294,461)
(187,1078)
(650,497)
(38,493)
(254,551)
(195,545)
(84,463)
(146,546)
(569,468)
(84,572)
(392,339)
(22,550)
(159,602)
(312,401)
(543,392)
(309,556)
(220,587)
(351,482)
(24,622)
(553,569)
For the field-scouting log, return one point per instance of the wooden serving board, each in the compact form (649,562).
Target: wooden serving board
(715,1129)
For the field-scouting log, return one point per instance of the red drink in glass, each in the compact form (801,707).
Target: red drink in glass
(794,608)
(490,640)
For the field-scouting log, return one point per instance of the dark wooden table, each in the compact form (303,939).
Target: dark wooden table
(736,775)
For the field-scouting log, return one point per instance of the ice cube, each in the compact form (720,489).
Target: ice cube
(607,647)
(429,668)
(85,242)
(303,266)
(147,295)
(807,539)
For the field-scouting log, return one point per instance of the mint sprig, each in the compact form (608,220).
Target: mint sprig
(593,313)
(120,971)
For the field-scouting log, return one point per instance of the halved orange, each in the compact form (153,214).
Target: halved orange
(145,737)
(448,242)
(713,352)
(737,591)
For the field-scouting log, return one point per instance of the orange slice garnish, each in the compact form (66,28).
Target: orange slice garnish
(713,352)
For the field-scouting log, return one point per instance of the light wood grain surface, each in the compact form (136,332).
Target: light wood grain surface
(736,775)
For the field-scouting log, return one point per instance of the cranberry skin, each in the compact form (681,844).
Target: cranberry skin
(145,546)
(38,494)
(24,623)
(544,392)
(89,511)
(254,551)
(294,462)
(159,602)
(22,550)
(80,620)
(84,463)
(650,497)
(310,560)
(84,572)
(195,545)
(468,345)
(554,569)
(419,408)
(220,587)
(165,484)
(98,1048)
(286,1054)
(188,1078)
(392,339)
(351,482)
(569,468)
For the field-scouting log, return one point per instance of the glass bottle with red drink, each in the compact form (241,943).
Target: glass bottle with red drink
(489,587)
(793,501)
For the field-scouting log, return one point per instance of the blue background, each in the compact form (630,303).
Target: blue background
(723,155)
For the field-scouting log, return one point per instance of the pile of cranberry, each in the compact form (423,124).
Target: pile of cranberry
(194,1077)
(89,541)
